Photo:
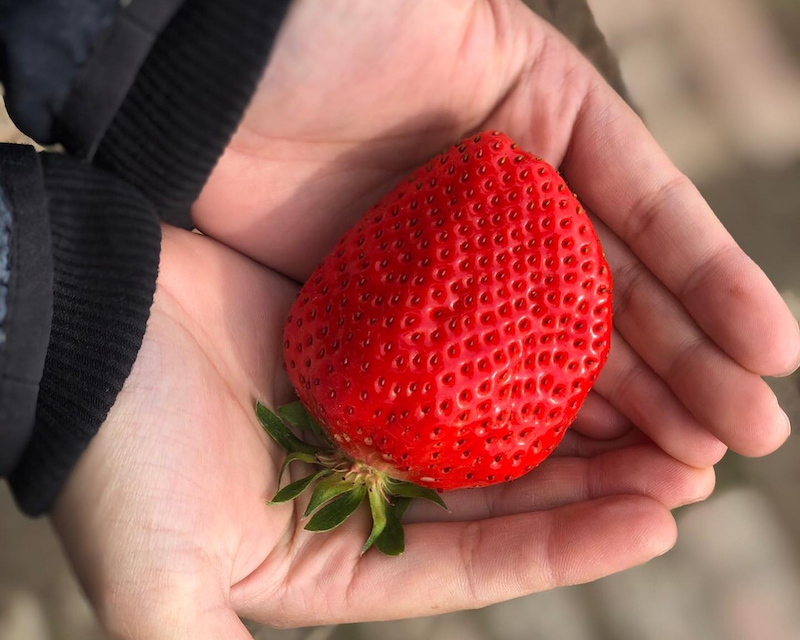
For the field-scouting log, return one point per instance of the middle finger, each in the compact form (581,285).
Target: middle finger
(637,470)
(733,403)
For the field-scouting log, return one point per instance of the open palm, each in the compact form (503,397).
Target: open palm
(352,102)
(165,521)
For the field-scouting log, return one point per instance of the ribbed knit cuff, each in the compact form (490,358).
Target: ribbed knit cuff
(106,244)
(188,99)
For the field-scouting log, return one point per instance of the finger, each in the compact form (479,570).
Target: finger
(733,403)
(482,562)
(621,173)
(597,418)
(581,446)
(461,565)
(633,388)
(638,470)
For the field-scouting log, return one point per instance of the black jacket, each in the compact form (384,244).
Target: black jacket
(123,87)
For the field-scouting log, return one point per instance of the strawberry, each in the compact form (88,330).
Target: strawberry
(450,337)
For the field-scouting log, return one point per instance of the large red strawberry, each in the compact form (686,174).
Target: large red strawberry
(449,339)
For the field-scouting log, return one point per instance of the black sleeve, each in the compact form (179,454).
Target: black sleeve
(67,66)
(152,96)
(83,260)
(150,89)
(188,98)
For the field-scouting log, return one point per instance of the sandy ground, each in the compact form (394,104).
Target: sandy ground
(718,82)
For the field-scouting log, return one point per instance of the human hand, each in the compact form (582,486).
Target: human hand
(164,520)
(351,103)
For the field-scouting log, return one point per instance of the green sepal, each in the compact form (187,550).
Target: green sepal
(327,490)
(335,512)
(292,457)
(411,490)
(392,540)
(399,506)
(291,491)
(378,507)
(280,433)
(296,414)
(335,498)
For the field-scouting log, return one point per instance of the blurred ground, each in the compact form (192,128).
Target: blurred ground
(718,82)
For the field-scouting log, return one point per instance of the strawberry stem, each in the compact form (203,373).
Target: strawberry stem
(341,484)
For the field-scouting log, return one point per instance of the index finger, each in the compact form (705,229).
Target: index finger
(622,174)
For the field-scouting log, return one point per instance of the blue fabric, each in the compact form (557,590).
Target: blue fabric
(26,296)
(43,45)
(5,262)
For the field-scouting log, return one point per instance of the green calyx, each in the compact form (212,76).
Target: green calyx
(341,484)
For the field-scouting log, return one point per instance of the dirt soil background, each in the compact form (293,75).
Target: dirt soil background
(718,82)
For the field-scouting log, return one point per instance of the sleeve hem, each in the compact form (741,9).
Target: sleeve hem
(188,99)
(106,244)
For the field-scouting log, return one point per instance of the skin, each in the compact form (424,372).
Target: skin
(163,516)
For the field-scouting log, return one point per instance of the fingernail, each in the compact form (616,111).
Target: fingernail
(797,355)
(796,360)
(667,549)
(787,422)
